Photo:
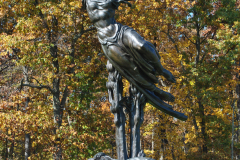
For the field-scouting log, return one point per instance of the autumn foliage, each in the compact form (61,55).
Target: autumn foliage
(53,99)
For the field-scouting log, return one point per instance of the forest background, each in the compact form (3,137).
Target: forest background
(53,99)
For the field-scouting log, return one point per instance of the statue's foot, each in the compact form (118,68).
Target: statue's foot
(141,154)
(164,95)
(101,156)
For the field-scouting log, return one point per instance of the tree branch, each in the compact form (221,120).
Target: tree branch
(176,47)
(2,69)
(33,86)
(34,39)
(205,37)
(229,49)
(188,38)
(82,32)
(45,25)
(173,41)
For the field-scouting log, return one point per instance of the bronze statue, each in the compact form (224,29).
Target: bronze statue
(138,61)
(123,45)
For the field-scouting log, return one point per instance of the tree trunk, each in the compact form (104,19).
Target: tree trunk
(6,148)
(57,105)
(185,149)
(58,112)
(153,136)
(164,141)
(173,156)
(238,113)
(203,127)
(162,136)
(27,135)
(27,146)
(232,130)
(12,148)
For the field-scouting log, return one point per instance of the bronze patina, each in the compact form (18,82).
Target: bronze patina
(131,56)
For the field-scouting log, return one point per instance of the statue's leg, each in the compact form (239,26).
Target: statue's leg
(115,89)
(136,116)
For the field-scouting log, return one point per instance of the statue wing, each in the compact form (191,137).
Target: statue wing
(152,98)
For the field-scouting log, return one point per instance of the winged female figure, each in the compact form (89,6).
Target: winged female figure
(137,57)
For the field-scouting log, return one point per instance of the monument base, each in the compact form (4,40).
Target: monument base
(140,158)
(103,156)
